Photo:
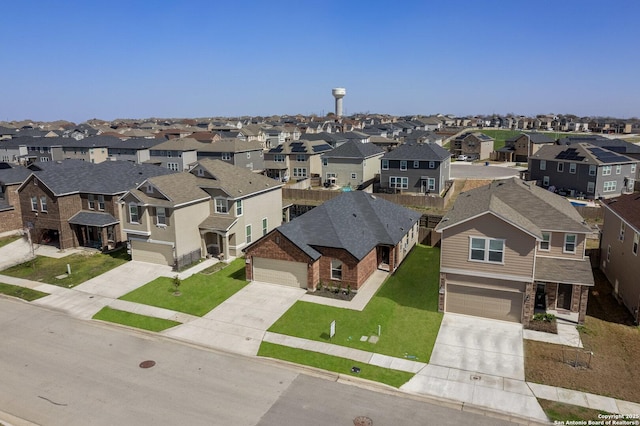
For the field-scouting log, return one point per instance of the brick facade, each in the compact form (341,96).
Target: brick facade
(529,303)
(277,246)
(11,220)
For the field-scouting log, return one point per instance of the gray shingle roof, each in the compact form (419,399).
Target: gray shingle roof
(354,221)
(581,149)
(413,151)
(13,174)
(354,149)
(563,271)
(534,137)
(237,182)
(93,219)
(522,204)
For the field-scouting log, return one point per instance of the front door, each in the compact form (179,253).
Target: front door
(541,299)
(564,296)
(423,186)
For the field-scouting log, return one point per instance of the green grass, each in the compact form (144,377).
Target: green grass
(406,307)
(500,136)
(21,292)
(390,377)
(199,293)
(8,240)
(134,320)
(558,411)
(83,267)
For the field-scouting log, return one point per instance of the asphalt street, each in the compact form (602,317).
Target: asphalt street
(58,370)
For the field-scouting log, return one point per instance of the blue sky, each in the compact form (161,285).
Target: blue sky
(77,60)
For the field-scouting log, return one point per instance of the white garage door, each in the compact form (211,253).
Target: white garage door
(482,302)
(143,251)
(283,272)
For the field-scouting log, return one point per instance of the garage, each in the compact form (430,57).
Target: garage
(144,251)
(293,274)
(484,302)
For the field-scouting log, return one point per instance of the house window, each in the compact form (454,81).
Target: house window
(161,216)
(239,208)
(265,226)
(486,250)
(432,164)
(398,182)
(34,204)
(336,269)
(248,233)
(608,253)
(618,169)
(606,170)
(200,172)
(591,186)
(173,166)
(149,189)
(248,155)
(325,161)
(226,156)
(633,168)
(100,202)
(301,158)
(570,243)
(592,170)
(221,206)
(300,172)
(636,239)
(416,164)
(560,167)
(622,229)
(133,213)
(431,184)
(385,164)
(92,201)
(545,181)
(403,165)
(609,186)
(169,154)
(43,204)
(545,244)
(278,158)
(354,176)
(543,164)
(572,168)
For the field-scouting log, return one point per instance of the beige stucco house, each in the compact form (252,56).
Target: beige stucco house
(215,209)
(510,249)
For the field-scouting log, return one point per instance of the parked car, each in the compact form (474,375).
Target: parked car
(462,158)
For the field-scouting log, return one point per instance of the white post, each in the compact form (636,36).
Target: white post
(68,269)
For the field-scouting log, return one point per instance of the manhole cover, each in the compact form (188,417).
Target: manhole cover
(362,421)
(147,364)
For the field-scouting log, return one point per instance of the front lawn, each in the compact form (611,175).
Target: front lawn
(560,412)
(199,293)
(21,292)
(393,378)
(84,266)
(405,307)
(134,320)
(8,240)
(609,333)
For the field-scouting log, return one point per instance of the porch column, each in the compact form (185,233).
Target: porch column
(226,246)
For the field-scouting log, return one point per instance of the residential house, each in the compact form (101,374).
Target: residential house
(422,136)
(619,257)
(384,143)
(238,152)
(339,244)
(352,164)
(296,159)
(73,203)
(11,177)
(215,209)
(416,168)
(94,149)
(510,249)
(176,154)
(135,150)
(476,145)
(520,147)
(583,170)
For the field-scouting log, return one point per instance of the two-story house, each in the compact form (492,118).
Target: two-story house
(352,164)
(135,150)
(176,154)
(235,151)
(416,168)
(476,145)
(619,257)
(520,147)
(11,177)
(510,248)
(73,203)
(295,159)
(583,170)
(215,209)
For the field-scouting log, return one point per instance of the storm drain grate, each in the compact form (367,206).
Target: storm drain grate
(362,421)
(147,364)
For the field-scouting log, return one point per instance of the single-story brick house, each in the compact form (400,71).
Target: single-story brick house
(340,243)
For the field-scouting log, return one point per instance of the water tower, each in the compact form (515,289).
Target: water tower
(339,93)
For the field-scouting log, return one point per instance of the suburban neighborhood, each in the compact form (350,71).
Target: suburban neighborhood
(446,257)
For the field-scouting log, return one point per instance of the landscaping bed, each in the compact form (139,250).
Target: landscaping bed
(543,322)
(613,369)
(333,293)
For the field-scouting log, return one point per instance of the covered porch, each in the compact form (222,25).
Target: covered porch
(215,235)
(94,229)
(562,288)
(277,170)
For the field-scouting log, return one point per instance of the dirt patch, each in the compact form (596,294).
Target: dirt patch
(610,335)
(563,412)
(475,183)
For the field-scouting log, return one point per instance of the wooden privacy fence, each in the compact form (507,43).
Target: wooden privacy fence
(319,197)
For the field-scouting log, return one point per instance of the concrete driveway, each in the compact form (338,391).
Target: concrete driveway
(239,323)
(14,253)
